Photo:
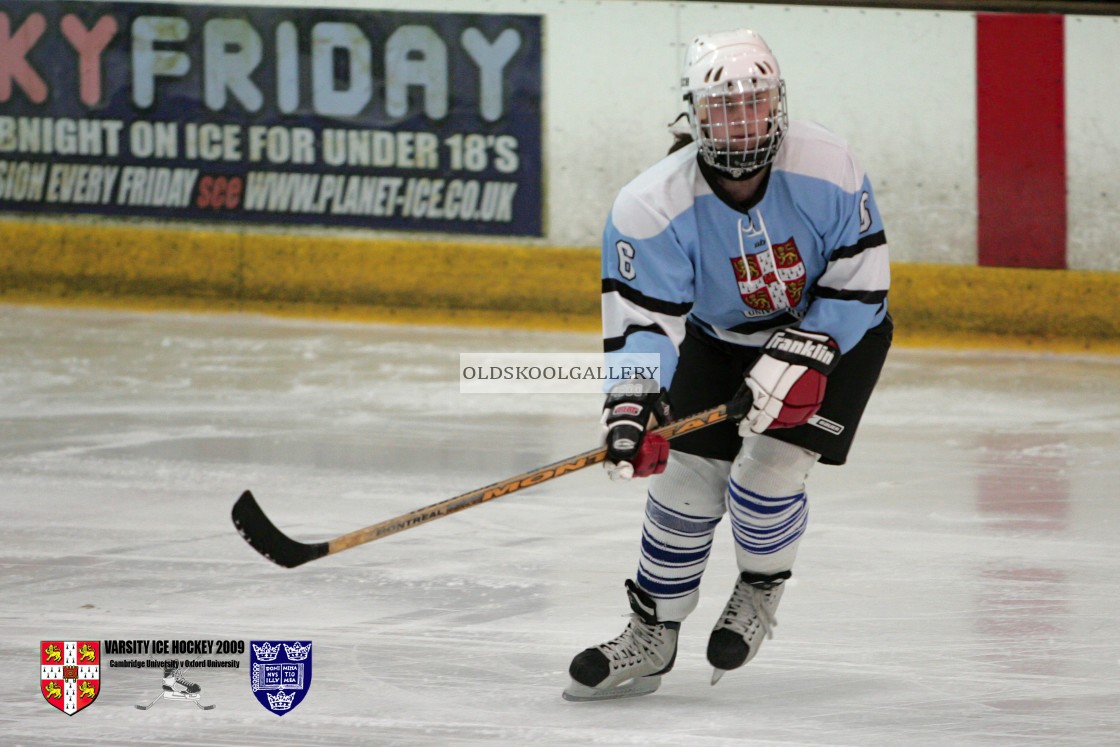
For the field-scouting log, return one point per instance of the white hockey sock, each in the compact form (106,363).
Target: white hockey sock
(684,505)
(767,503)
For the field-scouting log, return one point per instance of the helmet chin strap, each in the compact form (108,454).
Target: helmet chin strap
(721,160)
(740,175)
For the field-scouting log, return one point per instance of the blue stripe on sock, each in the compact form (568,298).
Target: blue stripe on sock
(666,589)
(755,543)
(768,530)
(662,553)
(761,504)
(675,521)
(755,549)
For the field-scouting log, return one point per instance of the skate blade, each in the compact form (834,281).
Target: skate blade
(182,696)
(579,693)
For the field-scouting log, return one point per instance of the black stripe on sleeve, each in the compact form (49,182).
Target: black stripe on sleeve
(775,322)
(770,324)
(870,241)
(868,297)
(648,303)
(611,344)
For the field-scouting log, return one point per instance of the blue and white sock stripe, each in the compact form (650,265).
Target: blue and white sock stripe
(775,524)
(662,587)
(761,504)
(757,503)
(675,549)
(762,524)
(672,555)
(759,543)
(677,522)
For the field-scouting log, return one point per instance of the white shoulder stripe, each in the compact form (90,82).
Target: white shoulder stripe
(811,150)
(647,205)
(869,270)
(619,314)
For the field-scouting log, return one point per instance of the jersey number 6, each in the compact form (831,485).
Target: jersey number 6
(864,213)
(626,260)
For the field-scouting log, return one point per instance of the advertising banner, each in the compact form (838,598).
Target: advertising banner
(377,119)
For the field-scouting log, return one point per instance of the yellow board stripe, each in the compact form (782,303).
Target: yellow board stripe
(1059,309)
(490,283)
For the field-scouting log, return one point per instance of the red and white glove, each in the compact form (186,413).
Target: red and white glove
(631,407)
(785,386)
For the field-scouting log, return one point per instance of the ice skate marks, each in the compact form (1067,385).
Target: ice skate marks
(280,673)
(70,673)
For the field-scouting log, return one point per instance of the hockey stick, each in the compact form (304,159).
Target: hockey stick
(146,707)
(281,549)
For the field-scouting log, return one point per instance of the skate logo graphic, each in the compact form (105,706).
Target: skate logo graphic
(70,673)
(280,673)
(179,687)
(768,284)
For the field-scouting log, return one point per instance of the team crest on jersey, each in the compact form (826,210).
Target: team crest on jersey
(759,277)
(70,673)
(280,673)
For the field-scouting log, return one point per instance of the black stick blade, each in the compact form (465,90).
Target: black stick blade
(269,541)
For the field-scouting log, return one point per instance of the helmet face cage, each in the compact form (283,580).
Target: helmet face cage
(739,124)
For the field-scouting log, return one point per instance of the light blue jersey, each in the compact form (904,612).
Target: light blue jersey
(811,252)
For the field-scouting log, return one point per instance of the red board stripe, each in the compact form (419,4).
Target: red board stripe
(1021,144)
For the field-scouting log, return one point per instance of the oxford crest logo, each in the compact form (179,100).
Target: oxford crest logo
(70,673)
(770,284)
(280,673)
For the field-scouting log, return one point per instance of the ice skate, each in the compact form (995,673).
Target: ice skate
(747,619)
(631,664)
(175,684)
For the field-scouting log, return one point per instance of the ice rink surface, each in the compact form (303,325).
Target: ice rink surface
(959,583)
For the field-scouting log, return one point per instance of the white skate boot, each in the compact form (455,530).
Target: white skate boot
(176,685)
(631,664)
(747,619)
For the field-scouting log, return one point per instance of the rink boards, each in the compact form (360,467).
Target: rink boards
(488,283)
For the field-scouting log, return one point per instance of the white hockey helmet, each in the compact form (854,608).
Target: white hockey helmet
(736,101)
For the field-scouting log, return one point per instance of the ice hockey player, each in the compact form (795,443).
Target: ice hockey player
(754,261)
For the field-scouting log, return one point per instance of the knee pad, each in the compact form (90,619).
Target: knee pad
(772,467)
(767,503)
(691,485)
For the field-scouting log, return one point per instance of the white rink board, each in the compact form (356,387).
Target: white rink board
(899,84)
(1092,146)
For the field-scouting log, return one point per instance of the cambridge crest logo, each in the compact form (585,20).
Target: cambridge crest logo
(70,673)
(759,278)
(280,673)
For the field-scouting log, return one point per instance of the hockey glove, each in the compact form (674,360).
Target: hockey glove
(785,386)
(630,409)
